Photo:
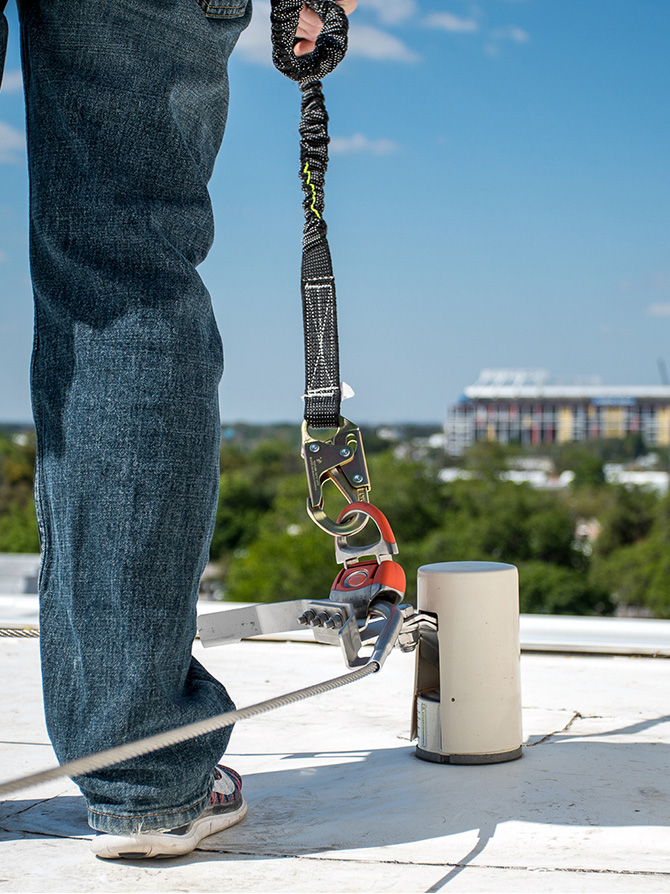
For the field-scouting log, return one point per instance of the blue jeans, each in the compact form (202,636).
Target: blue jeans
(3,40)
(126,108)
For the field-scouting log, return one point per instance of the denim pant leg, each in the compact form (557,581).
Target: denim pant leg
(3,42)
(126,107)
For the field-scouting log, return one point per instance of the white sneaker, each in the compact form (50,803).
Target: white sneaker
(225,808)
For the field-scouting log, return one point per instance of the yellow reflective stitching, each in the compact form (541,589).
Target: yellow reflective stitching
(307,171)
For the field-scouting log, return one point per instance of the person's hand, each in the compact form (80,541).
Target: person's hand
(310,25)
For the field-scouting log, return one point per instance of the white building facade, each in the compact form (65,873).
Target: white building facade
(526,407)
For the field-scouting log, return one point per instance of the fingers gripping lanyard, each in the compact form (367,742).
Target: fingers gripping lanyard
(322,363)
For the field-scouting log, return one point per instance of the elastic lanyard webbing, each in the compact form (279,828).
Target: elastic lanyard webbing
(322,360)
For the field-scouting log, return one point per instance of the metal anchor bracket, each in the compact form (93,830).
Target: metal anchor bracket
(222,628)
(330,622)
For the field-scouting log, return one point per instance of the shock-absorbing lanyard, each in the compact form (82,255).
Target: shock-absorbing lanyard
(338,458)
(322,367)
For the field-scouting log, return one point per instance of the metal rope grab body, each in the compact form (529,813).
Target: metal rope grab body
(363,605)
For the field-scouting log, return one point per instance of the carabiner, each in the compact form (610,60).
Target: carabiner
(360,583)
(340,459)
(382,549)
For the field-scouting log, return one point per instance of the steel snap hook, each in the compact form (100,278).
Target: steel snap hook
(341,460)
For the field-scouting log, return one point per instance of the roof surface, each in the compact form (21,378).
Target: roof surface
(338,801)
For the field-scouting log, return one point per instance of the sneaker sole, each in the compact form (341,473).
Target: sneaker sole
(165,844)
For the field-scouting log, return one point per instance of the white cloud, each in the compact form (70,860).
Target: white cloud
(658,310)
(360,143)
(391,12)
(449,22)
(12,144)
(372,43)
(513,33)
(255,44)
(12,81)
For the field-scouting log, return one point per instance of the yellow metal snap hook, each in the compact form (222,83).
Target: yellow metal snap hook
(340,459)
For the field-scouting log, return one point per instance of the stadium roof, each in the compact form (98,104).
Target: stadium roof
(523,384)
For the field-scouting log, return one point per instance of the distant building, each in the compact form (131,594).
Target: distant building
(527,407)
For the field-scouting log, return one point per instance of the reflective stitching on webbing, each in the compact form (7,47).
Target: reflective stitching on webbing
(306,170)
(321,366)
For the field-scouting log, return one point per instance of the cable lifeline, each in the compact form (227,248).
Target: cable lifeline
(102,759)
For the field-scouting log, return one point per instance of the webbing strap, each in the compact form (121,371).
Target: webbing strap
(319,307)
(322,360)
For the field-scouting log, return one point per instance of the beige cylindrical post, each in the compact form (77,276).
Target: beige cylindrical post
(478,672)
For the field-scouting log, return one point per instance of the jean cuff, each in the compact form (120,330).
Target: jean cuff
(163,820)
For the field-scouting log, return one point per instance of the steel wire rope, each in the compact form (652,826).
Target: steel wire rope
(98,761)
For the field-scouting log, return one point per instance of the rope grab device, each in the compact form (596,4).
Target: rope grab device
(467,696)
(364,601)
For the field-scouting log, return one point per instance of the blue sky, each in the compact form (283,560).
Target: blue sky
(498,196)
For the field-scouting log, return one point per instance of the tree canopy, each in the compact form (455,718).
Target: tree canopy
(267,549)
